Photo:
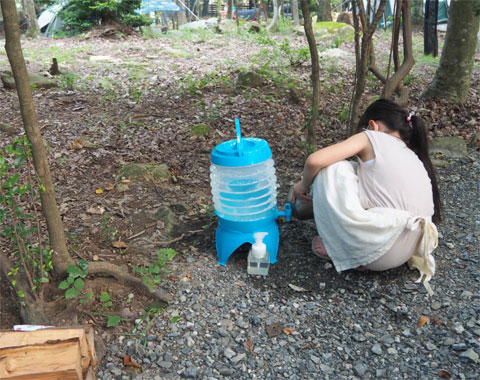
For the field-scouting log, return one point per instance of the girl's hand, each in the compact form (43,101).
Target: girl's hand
(301,193)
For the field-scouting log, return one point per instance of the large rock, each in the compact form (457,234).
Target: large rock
(252,27)
(449,146)
(227,26)
(200,24)
(330,31)
(36,80)
(249,79)
(144,172)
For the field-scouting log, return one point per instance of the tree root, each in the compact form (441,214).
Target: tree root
(32,312)
(108,269)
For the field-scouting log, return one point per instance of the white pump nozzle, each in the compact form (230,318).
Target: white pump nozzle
(259,249)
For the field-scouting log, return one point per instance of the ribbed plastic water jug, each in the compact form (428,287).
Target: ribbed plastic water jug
(243,181)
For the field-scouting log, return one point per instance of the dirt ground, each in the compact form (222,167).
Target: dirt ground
(142,100)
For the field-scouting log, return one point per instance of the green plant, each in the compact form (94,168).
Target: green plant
(67,80)
(75,282)
(106,299)
(19,190)
(344,114)
(152,274)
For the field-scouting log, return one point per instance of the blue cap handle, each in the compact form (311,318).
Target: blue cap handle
(239,136)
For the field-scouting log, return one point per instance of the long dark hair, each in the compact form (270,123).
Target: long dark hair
(412,132)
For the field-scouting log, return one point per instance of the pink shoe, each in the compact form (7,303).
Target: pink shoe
(318,249)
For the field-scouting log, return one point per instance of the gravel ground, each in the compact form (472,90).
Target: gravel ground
(352,325)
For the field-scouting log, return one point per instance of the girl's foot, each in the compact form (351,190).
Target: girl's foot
(319,249)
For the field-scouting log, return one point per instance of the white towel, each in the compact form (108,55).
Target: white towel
(355,237)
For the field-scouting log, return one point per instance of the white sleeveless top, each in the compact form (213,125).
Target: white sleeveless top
(396,179)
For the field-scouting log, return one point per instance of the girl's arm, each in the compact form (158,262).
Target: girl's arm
(358,144)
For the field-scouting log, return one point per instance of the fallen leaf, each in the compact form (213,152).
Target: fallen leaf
(422,321)
(74,145)
(119,244)
(444,374)
(189,276)
(99,210)
(248,345)
(109,186)
(436,321)
(128,361)
(297,288)
(173,278)
(99,191)
(288,330)
(274,329)
(125,181)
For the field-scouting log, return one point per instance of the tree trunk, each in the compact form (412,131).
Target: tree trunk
(275,17)
(29,8)
(417,12)
(362,55)
(181,16)
(430,39)
(205,8)
(296,18)
(312,45)
(324,12)
(61,258)
(229,9)
(454,73)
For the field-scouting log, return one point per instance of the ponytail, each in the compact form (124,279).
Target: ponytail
(412,132)
(418,142)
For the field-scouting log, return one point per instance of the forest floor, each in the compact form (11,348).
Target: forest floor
(170,100)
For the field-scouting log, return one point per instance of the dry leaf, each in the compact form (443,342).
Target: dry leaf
(75,145)
(422,321)
(444,374)
(274,329)
(297,288)
(86,144)
(128,361)
(119,244)
(99,210)
(173,278)
(125,181)
(99,191)
(248,345)
(288,331)
(189,276)
(109,186)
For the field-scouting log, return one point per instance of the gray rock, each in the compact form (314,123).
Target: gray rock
(190,373)
(377,349)
(229,353)
(360,369)
(249,79)
(449,146)
(36,81)
(144,172)
(470,354)
(236,359)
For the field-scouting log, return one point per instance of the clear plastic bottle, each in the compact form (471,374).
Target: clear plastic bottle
(258,257)
(244,193)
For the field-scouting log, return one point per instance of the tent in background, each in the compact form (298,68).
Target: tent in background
(149,6)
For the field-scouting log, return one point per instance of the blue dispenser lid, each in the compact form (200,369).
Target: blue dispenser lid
(241,152)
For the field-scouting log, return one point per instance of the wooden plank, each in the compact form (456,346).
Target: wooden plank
(27,338)
(90,375)
(49,361)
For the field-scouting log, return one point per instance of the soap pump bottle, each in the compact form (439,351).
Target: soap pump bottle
(258,257)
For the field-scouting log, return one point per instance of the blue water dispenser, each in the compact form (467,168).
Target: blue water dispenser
(244,190)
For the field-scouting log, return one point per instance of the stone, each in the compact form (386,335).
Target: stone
(449,146)
(36,81)
(325,368)
(252,27)
(227,26)
(190,373)
(329,31)
(470,354)
(360,369)
(8,129)
(165,215)
(249,79)
(140,171)
(121,187)
(377,349)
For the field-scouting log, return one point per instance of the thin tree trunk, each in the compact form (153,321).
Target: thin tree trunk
(229,9)
(454,73)
(61,258)
(296,18)
(275,17)
(312,45)
(362,54)
(430,39)
(324,10)
(417,12)
(29,8)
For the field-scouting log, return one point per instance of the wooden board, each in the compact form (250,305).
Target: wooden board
(60,360)
(85,334)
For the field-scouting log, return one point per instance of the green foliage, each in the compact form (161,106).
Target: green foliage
(67,80)
(75,282)
(153,273)
(81,15)
(106,299)
(19,191)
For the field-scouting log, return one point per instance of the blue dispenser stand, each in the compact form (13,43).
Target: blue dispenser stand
(230,235)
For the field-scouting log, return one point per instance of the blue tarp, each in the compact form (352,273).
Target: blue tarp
(157,5)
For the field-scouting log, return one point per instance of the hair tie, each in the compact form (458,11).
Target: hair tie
(409,117)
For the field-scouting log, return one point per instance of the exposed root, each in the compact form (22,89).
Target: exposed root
(108,269)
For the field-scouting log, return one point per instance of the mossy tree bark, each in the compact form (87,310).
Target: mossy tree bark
(454,73)
(29,8)
(324,10)
(229,9)
(312,45)
(296,18)
(275,16)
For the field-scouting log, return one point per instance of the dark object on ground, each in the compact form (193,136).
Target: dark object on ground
(54,68)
